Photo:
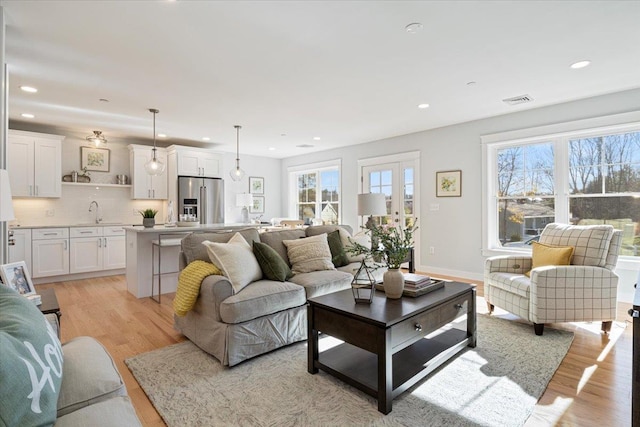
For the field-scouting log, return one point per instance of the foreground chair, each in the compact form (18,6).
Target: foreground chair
(585,290)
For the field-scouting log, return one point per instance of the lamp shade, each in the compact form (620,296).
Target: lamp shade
(6,204)
(373,204)
(244,199)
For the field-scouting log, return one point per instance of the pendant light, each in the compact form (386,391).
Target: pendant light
(154,166)
(237,174)
(97,138)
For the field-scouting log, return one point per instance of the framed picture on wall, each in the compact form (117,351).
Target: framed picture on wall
(16,276)
(449,183)
(94,159)
(258,205)
(256,185)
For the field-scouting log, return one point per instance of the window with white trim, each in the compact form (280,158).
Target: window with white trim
(583,177)
(315,192)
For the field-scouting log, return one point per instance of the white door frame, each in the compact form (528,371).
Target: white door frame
(411,158)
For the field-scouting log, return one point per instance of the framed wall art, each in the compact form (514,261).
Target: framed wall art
(256,185)
(16,276)
(94,159)
(258,205)
(449,183)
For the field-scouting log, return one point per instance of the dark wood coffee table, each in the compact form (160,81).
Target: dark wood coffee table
(49,302)
(387,344)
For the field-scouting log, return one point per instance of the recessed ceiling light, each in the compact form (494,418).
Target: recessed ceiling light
(413,28)
(28,116)
(29,89)
(272,148)
(206,138)
(316,138)
(580,64)
(423,106)
(162,135)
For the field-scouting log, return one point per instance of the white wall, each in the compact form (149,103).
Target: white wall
(264,167)
(455,231)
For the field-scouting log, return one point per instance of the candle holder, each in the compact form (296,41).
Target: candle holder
(363,285)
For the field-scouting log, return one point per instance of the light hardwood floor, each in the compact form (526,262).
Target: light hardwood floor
(592,386)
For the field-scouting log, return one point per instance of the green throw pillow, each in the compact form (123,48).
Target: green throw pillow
(271,263)
(338,255)
(31,363)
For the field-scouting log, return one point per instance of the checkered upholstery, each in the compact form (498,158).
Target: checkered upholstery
(586,290)
(590,242)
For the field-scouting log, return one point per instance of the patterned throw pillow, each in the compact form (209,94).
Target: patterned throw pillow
(31,363)
(542,255)
(272,265)
(236,261)
(338,255)
(309,254)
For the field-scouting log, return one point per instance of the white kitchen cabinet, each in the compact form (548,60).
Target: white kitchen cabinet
(20,246)
(143,185)
(96,249)
(50,252)
(34,162)
(195,162)
(114,248)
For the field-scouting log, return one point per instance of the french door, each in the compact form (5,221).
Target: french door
(397,177)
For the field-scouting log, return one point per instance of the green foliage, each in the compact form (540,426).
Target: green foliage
(148,213)
(394,244)
(515,238)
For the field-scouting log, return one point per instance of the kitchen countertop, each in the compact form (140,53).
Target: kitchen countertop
(199,227)
(102,224)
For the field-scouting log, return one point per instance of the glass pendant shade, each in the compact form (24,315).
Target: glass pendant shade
(154,166)
(237,174)
(97,138)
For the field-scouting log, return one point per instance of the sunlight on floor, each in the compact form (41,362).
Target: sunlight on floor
(586,376)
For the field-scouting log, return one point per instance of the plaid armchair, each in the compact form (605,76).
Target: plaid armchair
(586,290)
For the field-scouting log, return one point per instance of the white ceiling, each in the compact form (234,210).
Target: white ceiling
(346,72)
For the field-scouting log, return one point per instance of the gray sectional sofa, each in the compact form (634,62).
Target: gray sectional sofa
(43,382)
(264,315)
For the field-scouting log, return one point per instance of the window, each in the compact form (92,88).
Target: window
(583,177)
(316,193)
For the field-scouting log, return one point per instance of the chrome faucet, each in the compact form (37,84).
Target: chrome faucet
(98,215)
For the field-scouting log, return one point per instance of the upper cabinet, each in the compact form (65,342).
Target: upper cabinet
(195,161)
(143,185)
(34,162)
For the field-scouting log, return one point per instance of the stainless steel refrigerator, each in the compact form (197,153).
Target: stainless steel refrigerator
(202,197)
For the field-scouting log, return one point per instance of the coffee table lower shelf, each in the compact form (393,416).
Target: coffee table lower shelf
(359,368)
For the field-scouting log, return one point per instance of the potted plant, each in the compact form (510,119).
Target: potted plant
(148,217)
(393,245)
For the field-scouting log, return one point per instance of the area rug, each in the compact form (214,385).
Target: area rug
(495,384)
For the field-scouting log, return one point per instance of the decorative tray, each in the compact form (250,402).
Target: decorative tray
(188,223)
(434,285)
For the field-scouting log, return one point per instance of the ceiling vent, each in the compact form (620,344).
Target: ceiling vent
(518,100)
(304,146)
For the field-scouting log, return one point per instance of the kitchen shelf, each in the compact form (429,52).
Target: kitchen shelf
(96,184)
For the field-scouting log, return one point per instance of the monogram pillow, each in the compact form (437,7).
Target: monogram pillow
(31,363)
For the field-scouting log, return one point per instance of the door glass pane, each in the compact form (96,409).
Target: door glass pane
(409,214)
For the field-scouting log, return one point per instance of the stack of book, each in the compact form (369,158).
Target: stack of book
(416,281)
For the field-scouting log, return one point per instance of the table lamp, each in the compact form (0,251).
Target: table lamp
(6,210)
(244,200)
(372,204)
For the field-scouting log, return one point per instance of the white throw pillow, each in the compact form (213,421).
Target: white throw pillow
(361,238)
(309,254)
(236,261)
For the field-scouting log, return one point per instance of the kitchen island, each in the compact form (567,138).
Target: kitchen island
(155,250)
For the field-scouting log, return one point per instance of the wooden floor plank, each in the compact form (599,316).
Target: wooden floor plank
(583,392)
